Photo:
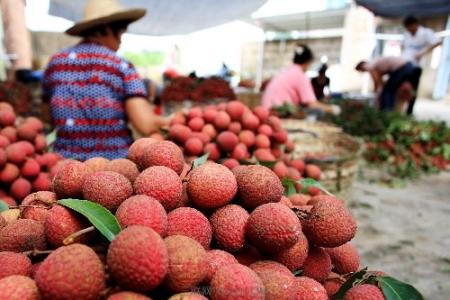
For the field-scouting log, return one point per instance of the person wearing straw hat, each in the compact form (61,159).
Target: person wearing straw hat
(93,94)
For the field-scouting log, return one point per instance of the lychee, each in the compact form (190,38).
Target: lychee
(313,171)
(68,181)
(179,133)
(196,124)
(165,154)
(235,127)
(190,222)
(317,265)
(211,185)
(345,258)
(222,120)
(36,205)
(138,258)
(195,112)
(250,121)
(227,140)
(18,287)
(15,153)
(138,149)
(9,173)
(97,164)
(9,132)
(26,131)
(14,264)
(215,260)
(247,137)
(161,183)
(128,296)
(213,150)
(7,118)
(262,113)
(41,182)
(71,272)
(310,289)
(30,168)
(235,109)
(237,282)
(364,292)
(193,146)
(209,114)
(294,256)
(125,167)
(145,211)
(187,263)
(263,154)
(228,225)
(230,163)
(22,235)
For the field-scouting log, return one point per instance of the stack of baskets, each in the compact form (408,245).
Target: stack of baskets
(337,153)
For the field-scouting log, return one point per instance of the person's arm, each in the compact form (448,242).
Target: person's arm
(377,80)
(142,117)
(432,42)
(329,109)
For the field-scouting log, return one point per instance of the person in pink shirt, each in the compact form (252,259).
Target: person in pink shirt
(293,86)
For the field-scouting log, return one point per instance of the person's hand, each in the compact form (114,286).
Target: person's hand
(418,56)
(335,110)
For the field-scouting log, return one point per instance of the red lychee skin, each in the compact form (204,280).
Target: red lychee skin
(285,200)
(196,124)
(298,164)
(7,118)
(209,114)
(97,164)
(138,259)
(10,133)
(313,171)
(230,163)
(125,167)
(247,137)
(179,133)
(235,127)
(178,118)
(299,199)
(332,284)
(263,155)
(144,211)
(4,141)
(193,146)
(157,136)
(18,287)
(36,205)
(35,123)
(128,296)
(211,186)
(227,140)
(81,272)
(68,181)
(165,154)
(22,235)
(195,112)
(290,146)
(258,185)
(364,292)
(221,106)
(190,222)
(279,282)
(15,154)
(30,168)
(20,188)
(317,265)
(274,122)
(293,257)
(280,169)
(310,289)
(9,173)
(187,263)
(240,152)
(3,157)
(282,230)
(280,136)
(237,282)
(213,150)
(188,296)
(235,109)
(107,188)
(6,106)
(14,264)
(248,255)
(329,224)
(138,148)
(294,174)
(26,147)
(26,132)
(215,260)
(228,224)
(265,130)
(204,137)
(262,113)
(276,151)
(250,121)
(51,159)
(61,223)
(222,120)
(161,183)
(41,182)
(345,258)
(210,130)
(262,141)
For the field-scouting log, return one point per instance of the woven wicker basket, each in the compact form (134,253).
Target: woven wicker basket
(338,154)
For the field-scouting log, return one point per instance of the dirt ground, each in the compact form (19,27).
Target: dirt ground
(406,231)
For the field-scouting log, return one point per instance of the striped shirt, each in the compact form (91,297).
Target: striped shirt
(87,86)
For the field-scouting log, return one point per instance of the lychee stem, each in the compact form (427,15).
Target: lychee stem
(71,238)
(36,252)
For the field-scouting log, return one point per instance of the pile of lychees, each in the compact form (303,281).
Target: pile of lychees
(25,165)
(233,134)
(209,233)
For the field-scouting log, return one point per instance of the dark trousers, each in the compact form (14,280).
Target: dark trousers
(396,78)
(415,80)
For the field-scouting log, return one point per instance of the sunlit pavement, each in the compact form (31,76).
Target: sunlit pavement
(438,110)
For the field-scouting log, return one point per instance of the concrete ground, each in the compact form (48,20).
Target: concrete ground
(406,231)
(426,109)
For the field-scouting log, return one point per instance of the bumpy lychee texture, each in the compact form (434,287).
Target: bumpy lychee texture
(22,235)
(310,289)
(128,296)
(215,260)
(18,287)
(36,205)
(68,182)
(364,292)
(14,264)
(317,265)
(163,153)
(345,258)
(293,257)
(188,296)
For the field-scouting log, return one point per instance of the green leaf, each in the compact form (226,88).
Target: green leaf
(356,277)
(3,206)
(308,182)
(100,217)
(289,186)
(394,289)
(51,137)
(200,161)
(267,163)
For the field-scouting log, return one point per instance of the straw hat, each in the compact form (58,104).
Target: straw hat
(98,12)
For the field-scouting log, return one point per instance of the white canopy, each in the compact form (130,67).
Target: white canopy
(170,17)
